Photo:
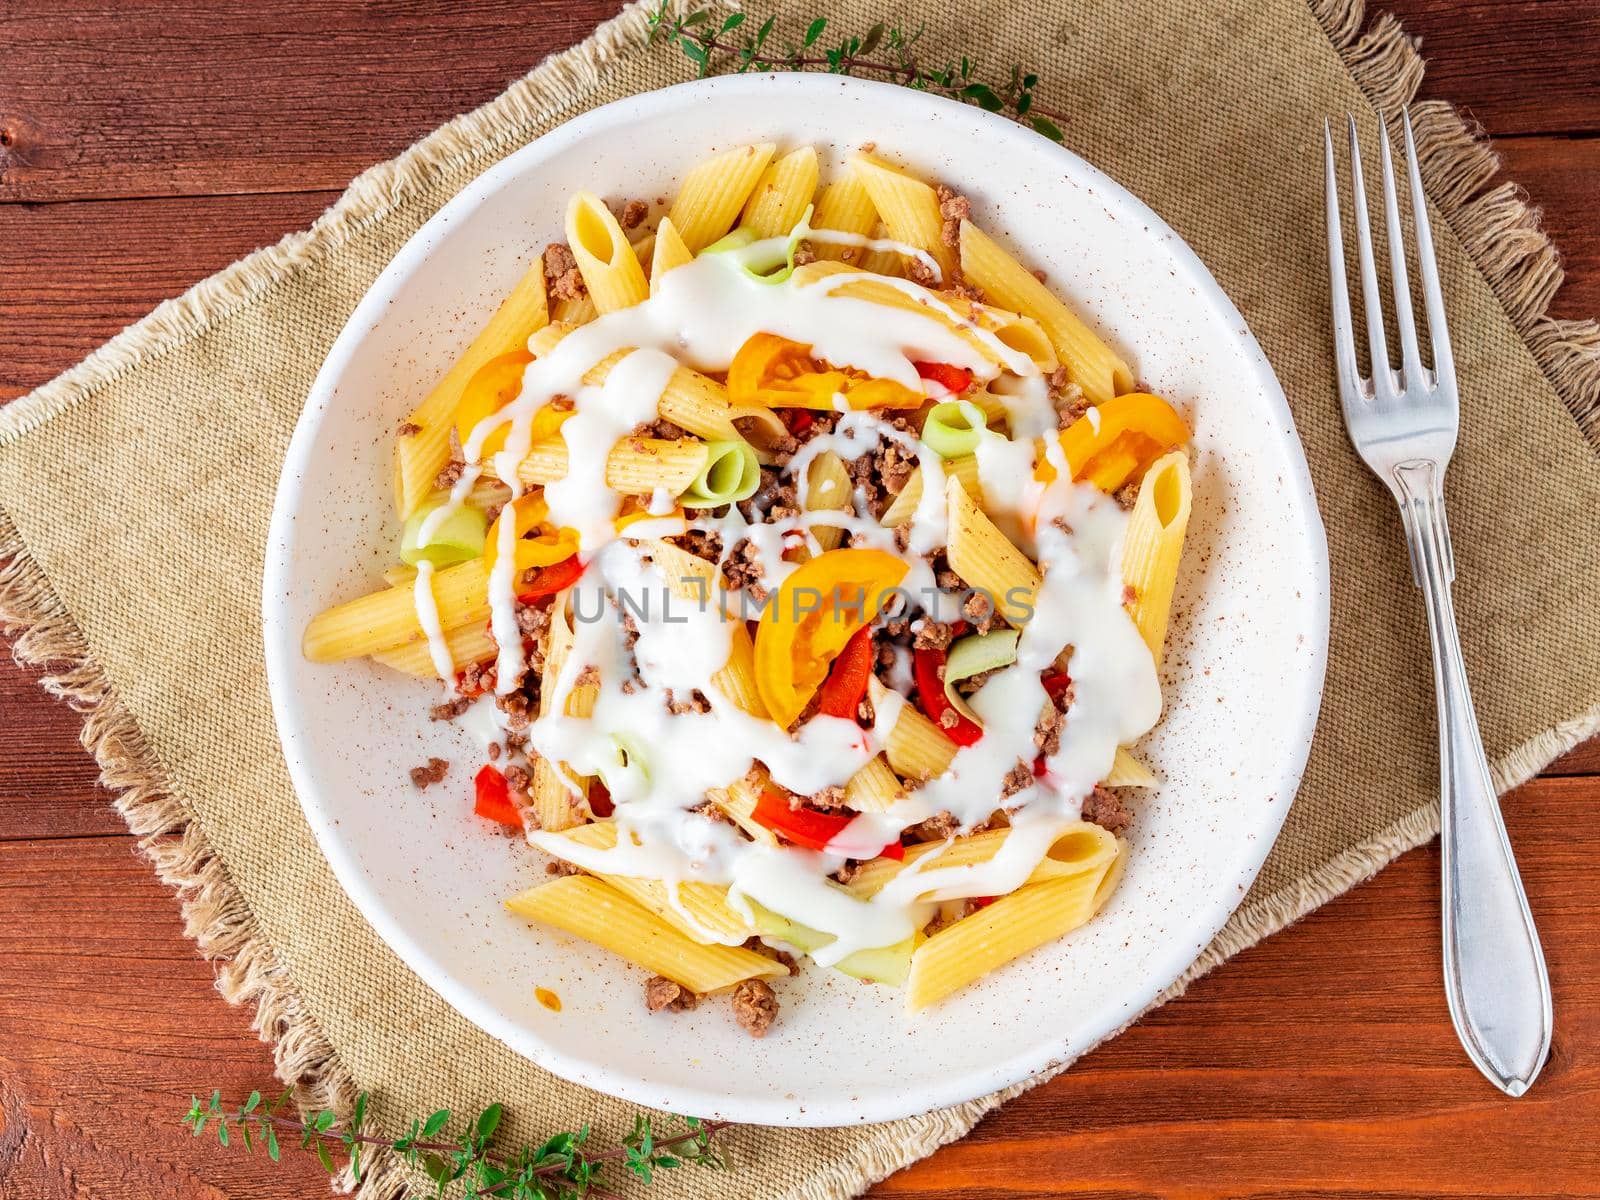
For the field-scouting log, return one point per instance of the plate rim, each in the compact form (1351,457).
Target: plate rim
(685,1096)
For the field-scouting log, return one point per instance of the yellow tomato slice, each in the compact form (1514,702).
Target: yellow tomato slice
(539,544)
(809,619)
(496,384)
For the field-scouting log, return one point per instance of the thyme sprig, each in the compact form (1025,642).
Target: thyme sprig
(885,51)
(464,1160)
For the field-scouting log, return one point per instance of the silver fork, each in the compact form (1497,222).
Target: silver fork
(1403,424)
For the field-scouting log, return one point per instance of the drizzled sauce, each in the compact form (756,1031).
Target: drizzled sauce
(658,765)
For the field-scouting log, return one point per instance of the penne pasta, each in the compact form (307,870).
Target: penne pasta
(636,467)
(994,935)
(609,265)
(715,191)
(908,207)
(1082,847)
(828,488)
(874,788)
(782,195)
(987,561)
(466,643)
(420,456)
(386,619)
(916,749)
(1153,544)
(697,910)
(670,252)
(1128,771)
(1091,364)
(593,910)
(900,510)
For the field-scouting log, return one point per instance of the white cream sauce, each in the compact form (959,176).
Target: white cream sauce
(428,617)
(658,765)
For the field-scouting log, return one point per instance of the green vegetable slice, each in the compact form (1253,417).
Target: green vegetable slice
(972,656)
(770,260)
(458,538)
(882,964)
(953,428)
(731,474)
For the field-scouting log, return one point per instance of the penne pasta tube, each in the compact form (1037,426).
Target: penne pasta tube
(420,456)
(916,748)
(670,253)
(828,488)
(608,263)
(702,911)
(635,467)
(595,911)
(998,933)
(1092,365)
(691,400)
(909,209)
(467,644)
(874,788)
(903,506)
(1082,847)
(986,560)
(782,194)
(1153,545)
(386,619)
(714,192)
(1128,771)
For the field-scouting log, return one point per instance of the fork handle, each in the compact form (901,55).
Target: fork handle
(1494,969)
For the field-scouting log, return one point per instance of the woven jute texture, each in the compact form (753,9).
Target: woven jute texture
(135,491)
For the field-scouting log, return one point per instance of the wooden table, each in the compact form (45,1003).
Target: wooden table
(141,149)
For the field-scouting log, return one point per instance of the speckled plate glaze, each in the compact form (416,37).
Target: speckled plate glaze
(1243,678)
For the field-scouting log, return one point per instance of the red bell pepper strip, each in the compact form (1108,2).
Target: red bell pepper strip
(552,579)
(983,901)
(1055,683)
(600,799)
(927,666)
(798,420)
(494,798)
(846,685)
(956,379)
(806,826)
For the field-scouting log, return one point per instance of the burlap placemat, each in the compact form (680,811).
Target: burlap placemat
(135,491)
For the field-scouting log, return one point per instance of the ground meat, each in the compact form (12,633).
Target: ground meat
(774,500)
(754,1006)
(1068,397)
(661,993)
(968,292)
(1126,495)
(712,812)
(1018,778)
(937,827)
(921,272)
(450,709)
(409,429)
(660,428)
(742,569)
(979,609)
(633,213)
(894,465)
(430,772)
(518,779)
(493,751)
(563,281)
(588,677)
(533,619)
(518,709)
(1104,808)
(831,796)
(932,635)
(883,473)
(1129,594)
(561,866)
(851,868)
(1047,733)
(455,466)
(954,209)
(696,703)
(516,741)
(804,253)
(476,678)
(702,543)
(972,683)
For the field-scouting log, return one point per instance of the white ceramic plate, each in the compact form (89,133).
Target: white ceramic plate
(1243,680)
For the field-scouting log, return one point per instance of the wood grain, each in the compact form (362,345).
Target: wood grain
(1318,1064)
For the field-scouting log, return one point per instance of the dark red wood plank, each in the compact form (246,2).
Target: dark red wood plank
(108,1022)
(1519,66)
(47,782)
(72,275)
(101,98)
